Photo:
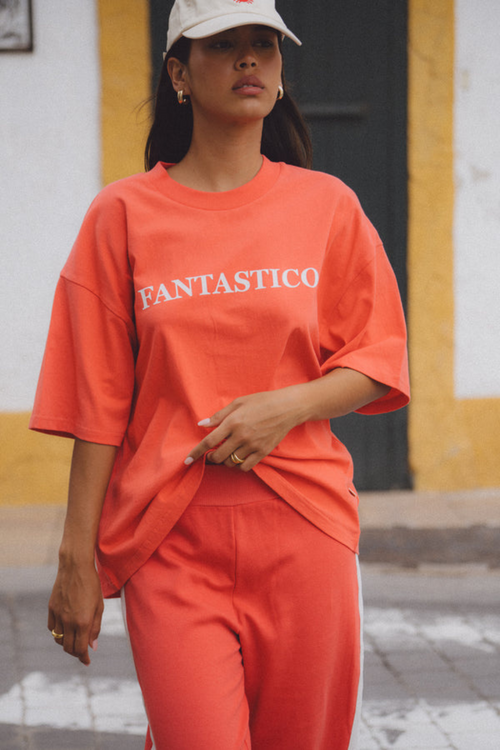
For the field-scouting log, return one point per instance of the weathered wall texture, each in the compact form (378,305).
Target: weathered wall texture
(454,439)
(51,169)
(70,123)
(477,199)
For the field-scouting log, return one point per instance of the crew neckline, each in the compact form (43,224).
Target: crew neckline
(240,196)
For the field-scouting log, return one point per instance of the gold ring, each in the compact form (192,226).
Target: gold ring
(236,459)
(57,636)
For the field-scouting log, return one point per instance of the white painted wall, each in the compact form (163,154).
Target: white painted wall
(49,173)
(477,207)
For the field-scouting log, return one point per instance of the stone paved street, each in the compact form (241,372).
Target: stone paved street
(432,672)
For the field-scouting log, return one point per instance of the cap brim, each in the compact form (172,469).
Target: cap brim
(232,21)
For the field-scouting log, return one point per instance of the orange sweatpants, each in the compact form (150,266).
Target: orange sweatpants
(245,627)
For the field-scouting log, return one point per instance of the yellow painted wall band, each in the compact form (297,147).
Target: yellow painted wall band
(125,54)
(34,468)
(454,443)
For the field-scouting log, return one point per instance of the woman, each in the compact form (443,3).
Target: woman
(214,314)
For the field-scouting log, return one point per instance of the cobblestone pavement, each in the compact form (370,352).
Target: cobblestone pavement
(432,667)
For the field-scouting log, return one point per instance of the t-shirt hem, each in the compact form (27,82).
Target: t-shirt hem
(63,428)
(112,582)
(349,538)
(395,399)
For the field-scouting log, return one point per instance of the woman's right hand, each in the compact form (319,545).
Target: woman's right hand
(76,604)
(75,608)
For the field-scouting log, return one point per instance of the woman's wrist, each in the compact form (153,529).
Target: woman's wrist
(334,395)
(301,403)
(80,552)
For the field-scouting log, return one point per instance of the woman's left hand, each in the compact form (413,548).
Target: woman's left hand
(250,427)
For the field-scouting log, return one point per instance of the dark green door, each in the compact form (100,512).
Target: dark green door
(350,78)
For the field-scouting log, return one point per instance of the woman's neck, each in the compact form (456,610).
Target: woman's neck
(222,160)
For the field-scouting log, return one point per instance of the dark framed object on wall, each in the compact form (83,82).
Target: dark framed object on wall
(16,26)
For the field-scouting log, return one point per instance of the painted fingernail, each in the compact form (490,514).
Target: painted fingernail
(204,422)
(93,645)
(189,461)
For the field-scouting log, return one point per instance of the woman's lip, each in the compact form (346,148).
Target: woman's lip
(248,90)
(248,82)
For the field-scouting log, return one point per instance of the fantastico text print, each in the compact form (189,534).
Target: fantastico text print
(222,283)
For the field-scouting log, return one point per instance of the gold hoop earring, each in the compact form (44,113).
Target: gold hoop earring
(281,92)
(180,97)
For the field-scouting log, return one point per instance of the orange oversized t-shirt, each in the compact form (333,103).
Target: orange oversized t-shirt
(174,302)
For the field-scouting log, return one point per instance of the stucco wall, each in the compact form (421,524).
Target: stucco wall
(477,199)
(51,169)
(454,440)
(70,122)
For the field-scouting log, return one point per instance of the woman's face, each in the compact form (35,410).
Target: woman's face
(232,76)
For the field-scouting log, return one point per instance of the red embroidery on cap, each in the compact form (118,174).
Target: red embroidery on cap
(244,1)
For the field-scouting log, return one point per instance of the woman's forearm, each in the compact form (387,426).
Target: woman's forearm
(76,605)
(336,394)
(91,469)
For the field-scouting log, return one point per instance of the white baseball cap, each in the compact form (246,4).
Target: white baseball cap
(196,19)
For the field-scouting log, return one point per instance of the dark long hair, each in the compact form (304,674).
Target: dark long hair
(285,136)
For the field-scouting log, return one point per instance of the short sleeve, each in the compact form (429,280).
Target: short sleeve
(361,321)
(86,383)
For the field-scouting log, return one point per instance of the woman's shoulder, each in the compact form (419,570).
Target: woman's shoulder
(321,186)
(316,179)
(108,214)
(125,188)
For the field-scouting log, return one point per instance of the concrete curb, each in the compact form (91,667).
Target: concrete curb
(412,547)
(404,528)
